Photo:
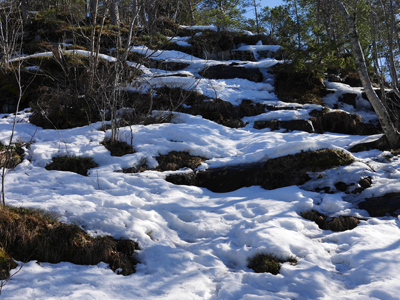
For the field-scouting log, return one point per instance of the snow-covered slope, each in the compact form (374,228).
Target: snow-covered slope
(195,243)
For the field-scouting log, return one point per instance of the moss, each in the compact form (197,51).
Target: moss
(76,164)
(269,263)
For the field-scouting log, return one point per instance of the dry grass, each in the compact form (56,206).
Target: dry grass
(118,148)
(269,263)
(27,234)
(341,223)
(76,164)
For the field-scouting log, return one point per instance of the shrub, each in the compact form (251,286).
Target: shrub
(76,164)
(268,262)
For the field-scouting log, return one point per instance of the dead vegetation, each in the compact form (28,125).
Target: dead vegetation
(341,223)
(76,164)
(29,234)
(269,263)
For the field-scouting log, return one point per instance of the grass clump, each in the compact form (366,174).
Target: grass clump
(30,234)
(177,160)
(76,164)
(12,156)
(269,263)
(341,223)
(118,148)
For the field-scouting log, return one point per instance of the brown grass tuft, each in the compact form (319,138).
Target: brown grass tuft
(32,234)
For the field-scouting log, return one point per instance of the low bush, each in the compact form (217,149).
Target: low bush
(12,156)
(268,262)
(76,164)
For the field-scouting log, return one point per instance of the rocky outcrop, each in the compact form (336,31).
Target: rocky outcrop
(341,223)
(275,173)
(388,204)
(230,72)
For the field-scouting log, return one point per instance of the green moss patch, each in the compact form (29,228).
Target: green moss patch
(269,263)
(76,164)
(29,234)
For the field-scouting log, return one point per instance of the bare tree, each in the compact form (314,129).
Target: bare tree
(388,127)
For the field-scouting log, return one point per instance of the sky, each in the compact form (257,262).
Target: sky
(263,3)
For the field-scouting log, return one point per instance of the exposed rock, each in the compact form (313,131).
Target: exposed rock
(353,79)
(219,111)
(388,204)
(341,186)
(275,173)
(272,124)
(349,98)
(222,180)
(381,144)
(230,72)
(302,87)
(341,223)
(292,169)
(249,109)
(342,122)
(301,125)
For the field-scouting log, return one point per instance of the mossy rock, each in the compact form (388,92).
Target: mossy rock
(269,263)
(29,234)
(292,169)
(76,164)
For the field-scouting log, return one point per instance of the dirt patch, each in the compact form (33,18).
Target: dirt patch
(341,223)
(76,164)
(269,263)
(28,234)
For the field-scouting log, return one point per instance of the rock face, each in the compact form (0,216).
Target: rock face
(342,122)
(230,72)
(349,98)
(388,204)
(275,173)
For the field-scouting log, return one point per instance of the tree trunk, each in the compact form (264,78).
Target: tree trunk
(25,12)
(114,12)
(387,125)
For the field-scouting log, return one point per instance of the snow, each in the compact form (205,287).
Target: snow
(195,243)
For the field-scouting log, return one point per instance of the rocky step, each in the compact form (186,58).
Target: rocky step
(275,173)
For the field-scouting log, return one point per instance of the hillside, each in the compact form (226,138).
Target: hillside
(205,171)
